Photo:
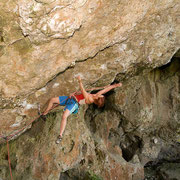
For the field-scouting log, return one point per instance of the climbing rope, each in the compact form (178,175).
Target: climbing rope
(19,130)
(7,138)
(9,158)
(11,135)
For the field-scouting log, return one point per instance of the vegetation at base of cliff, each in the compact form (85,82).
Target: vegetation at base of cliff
(28,140)
(4,169)
(92,176)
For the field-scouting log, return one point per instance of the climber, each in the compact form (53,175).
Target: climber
(73,101)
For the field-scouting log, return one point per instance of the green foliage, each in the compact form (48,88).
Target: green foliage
(91,176)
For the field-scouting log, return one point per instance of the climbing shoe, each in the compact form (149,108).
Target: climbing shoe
(59,139)
(43,117)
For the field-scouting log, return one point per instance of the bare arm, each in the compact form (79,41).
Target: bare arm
(108,88)
(86,95)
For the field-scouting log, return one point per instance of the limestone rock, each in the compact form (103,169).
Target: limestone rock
(34,155)
(46,44)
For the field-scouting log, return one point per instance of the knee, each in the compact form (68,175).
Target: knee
(64,117)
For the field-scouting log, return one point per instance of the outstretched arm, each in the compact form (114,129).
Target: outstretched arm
(86,95)
(108,88)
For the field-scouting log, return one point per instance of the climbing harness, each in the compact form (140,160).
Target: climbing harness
(11,135)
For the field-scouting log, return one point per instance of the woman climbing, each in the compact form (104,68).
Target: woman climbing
(72,103)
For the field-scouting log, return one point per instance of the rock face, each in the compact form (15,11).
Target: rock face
(167,165)
(46,38)
(149,107)
(35,155)
(45,44)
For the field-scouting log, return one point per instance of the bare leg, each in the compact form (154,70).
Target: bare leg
(52,101)
(64,121)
